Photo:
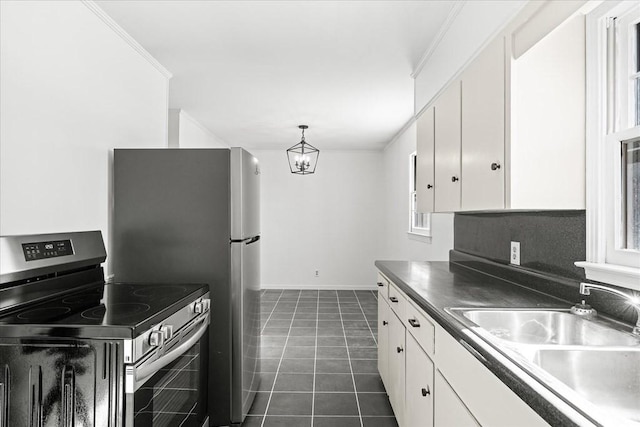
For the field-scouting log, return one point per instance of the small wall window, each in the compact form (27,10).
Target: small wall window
(419,223)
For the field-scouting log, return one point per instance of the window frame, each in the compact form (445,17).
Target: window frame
(608,125)
(414,232)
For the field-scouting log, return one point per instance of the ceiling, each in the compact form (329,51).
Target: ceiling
(252,71)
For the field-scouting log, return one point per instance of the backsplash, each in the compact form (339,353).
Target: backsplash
(550,241)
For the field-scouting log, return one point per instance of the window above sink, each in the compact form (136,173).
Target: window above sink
(613,144)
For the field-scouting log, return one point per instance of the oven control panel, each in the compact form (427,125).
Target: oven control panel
(50,249)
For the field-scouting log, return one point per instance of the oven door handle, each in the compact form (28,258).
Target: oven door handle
(143,372)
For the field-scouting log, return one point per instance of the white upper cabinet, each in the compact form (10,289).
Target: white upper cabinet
(425,154)
(483,119)
(510,132)
(547,144)
(447,150)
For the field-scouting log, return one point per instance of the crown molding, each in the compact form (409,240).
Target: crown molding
(453,14)
(93,7)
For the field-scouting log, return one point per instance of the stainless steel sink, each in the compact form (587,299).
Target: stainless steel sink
(545,327)
(597,359)
(607,378)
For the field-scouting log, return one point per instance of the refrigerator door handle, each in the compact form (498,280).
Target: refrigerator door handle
(247,241)
(252,240)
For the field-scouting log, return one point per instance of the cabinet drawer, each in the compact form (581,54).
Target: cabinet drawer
(383,287)
(420,327)
(397,301)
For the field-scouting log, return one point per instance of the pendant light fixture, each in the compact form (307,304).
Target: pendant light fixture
(303,157)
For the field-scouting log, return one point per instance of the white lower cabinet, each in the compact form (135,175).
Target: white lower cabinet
(383,338)
(432,380)
(418,386)
(490,401)
(449,409)
(396,374)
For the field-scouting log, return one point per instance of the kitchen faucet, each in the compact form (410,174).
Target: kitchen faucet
(585,310)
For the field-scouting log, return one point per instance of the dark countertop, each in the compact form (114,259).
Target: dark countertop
(435,286)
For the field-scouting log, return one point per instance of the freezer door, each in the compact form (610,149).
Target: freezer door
(245,282)
(245,195)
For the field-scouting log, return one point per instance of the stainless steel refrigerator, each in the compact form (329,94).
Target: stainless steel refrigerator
(193,216)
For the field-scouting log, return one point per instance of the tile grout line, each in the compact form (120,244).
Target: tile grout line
(366,320)
(315,362)
(266,409)
(271,314)
(353,379)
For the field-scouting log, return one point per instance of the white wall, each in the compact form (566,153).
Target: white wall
(398,244)
(187,132)
(329,221)
(475,23)
(72,90)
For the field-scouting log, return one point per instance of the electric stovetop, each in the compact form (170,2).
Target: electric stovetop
(117,310)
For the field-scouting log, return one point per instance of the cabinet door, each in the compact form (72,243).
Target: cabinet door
(483,119)
(447,150)
(419,386)
(449,409)
(396,370)
(383,340)
(425,153)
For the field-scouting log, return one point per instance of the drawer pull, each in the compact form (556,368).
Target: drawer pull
(380,284)
(400,349)
(414,322)
(393,299)
(385,323)
(426,391)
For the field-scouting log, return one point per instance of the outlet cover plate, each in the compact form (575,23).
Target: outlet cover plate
(514,256)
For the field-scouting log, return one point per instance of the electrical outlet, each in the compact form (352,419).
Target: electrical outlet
(317,273)
(515,253)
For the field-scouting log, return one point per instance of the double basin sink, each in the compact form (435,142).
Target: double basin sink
(594,358)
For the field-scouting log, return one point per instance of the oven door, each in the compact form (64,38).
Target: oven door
(171,389)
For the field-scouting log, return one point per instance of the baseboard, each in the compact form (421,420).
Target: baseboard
(366,287)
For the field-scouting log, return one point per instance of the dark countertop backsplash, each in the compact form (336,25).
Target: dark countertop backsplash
(550,243)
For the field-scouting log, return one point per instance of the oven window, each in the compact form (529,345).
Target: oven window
(177,394)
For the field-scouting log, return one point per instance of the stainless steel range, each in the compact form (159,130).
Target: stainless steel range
(76,351)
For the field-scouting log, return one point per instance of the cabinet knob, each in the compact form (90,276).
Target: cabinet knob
(393,299)
(495,166)
(400,349)
(429,186)
(426,391)
(454,179)
(380,284)
(385,323)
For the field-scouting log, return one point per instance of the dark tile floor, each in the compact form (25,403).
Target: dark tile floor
(319,361)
